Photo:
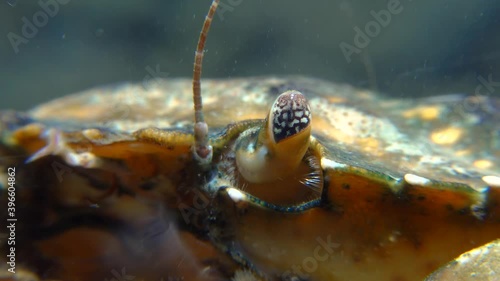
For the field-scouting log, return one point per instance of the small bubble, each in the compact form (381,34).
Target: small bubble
(99,32)
(11,3)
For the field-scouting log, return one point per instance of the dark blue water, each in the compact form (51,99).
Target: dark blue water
(402,48)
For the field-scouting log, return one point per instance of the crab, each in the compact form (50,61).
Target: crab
(335,183)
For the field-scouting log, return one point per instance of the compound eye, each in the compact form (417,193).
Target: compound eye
(289,115)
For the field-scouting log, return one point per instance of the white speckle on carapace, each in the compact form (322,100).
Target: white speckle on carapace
(492,180)
(467,257)
(433,160)
(352,124)
(327,163)
(86,160)
(393,237)
(235,194)
(258,98)
(416,180)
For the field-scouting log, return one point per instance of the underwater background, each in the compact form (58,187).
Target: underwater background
(405,48)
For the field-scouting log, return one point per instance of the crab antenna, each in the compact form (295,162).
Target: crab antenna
(202,150)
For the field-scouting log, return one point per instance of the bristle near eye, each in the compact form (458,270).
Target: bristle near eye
(289,115)
(313,180)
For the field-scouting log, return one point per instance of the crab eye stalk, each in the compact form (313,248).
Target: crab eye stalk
(276,150)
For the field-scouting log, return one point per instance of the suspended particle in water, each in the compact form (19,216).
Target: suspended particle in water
(11,3)
(99,32)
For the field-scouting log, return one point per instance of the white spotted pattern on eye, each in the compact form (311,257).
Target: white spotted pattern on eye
(290,114)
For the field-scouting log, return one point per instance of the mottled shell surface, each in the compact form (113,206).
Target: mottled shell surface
(449,138)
